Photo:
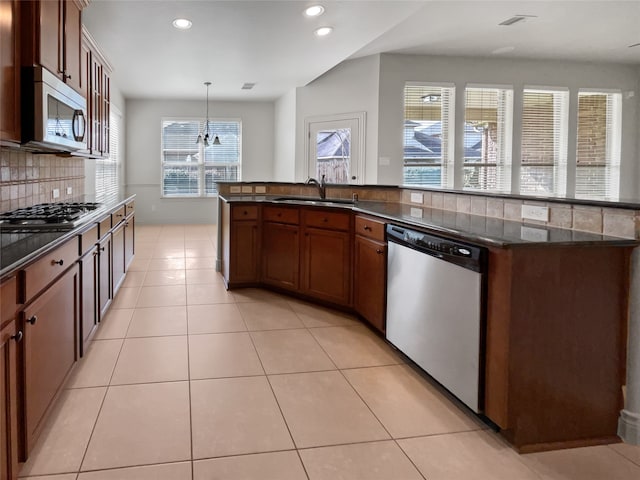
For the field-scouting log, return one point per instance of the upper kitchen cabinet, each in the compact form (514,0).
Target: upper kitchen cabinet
(51,32)
(95,82)
(9,72)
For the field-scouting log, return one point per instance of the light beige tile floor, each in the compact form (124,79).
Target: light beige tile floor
(187,381)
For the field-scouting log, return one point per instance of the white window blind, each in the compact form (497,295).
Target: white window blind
(487,138)
(190,169)
(598,145)
(545,120)
(428,135)
(107,169)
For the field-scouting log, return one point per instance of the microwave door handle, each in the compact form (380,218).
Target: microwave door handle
(78,116)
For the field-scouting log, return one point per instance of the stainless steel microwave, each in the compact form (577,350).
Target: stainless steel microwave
(54,116)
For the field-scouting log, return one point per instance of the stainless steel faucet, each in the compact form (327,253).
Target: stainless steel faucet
(320,184)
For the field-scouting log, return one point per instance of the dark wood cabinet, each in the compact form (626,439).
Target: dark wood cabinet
(117,257)
(9,338)
(51,35)
(281,255)
(104,275)
(129,240)
(88,297)
(326,256)
(241,244)
(96,84)
(9,73)
(49,324)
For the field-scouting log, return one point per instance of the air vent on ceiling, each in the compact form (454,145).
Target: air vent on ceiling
(248,86)
(515,19)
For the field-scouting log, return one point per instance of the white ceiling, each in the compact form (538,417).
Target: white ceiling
(272,43)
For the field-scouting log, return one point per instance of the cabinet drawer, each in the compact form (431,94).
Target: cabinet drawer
(8,300)
(370,228)
(104,226)
(130,207)
(88,239)
(281,215)
(244,212)
(327,219)
(39,274)
(118,215)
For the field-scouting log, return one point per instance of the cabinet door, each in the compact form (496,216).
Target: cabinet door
(50,325)
(326,266)
(129,240)
(71,45)
(117,249)
(104,275)
(88,297)
(50,44)
(9,337)
(9,72)
(280,255)
(370,280)
(244,252)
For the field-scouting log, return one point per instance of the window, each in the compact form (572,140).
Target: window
(487,138)
(428,135)
(190,169)
(545,120)
(598,145)
(107,169)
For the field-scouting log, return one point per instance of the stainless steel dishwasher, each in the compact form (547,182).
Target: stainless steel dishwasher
(435,308)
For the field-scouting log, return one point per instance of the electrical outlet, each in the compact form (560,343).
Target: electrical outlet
(533,212)
(235,189)
(261,189)
(55,193)
(416,212)
(247,189)
(69,190)
(416,197)
(533,234)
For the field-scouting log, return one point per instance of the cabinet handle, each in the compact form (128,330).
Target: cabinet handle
(18,336)
(126,224)
(101,249)
(57,262)
(65,76)
(367,228)
(279,214)
(325,220)
(33,320)
(119,215)
(379,251)
(245,213)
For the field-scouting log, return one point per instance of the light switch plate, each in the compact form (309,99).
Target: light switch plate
(235,189)
(533,212)
(247,189)
(55,193)
(261,189)
(69,190)
(416,197)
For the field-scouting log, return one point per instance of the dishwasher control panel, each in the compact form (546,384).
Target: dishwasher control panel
(468,256)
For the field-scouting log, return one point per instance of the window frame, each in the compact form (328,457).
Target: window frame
(201,163)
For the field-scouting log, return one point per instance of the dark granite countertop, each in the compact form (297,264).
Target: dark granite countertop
(472,228)
(17,248)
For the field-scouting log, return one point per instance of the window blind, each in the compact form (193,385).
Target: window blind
(190,169)
(487,138)
(545,123)
(598,145)
(429,135)
(107,170)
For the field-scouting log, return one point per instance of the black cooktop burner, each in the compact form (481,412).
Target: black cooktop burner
(47,215)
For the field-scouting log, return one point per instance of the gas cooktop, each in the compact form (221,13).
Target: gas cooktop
(47,216)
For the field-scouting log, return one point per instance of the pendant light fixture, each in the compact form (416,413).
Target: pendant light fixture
(203,137)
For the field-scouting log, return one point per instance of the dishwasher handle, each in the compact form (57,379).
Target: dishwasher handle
(472,257)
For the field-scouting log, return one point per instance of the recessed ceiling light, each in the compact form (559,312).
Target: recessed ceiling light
(515,19)
(182,23)
(501,50)
(323,31)
(314,11)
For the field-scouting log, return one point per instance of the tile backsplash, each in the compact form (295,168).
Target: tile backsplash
(27,178)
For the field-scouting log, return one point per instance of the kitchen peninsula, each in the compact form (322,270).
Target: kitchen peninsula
(556,304)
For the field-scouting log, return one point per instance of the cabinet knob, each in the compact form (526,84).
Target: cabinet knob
(18,336)
(65,76)
(245,213)
(32,320)
(367,228)
(119,215)
(57,262)
(325,219)
(379,251)
(279,214)
(101,249)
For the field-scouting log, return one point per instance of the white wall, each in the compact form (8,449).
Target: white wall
(350,87)
(143,131)
(285,138)
(395,70)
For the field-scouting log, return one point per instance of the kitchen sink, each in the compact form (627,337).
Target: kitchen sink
(315,201)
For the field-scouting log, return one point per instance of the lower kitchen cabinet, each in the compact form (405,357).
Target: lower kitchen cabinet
(118,256)
(88,297)
(244,263)
(129,240)
(49,324)
(9,338)
(280,255)
(369,280)
(104,275)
